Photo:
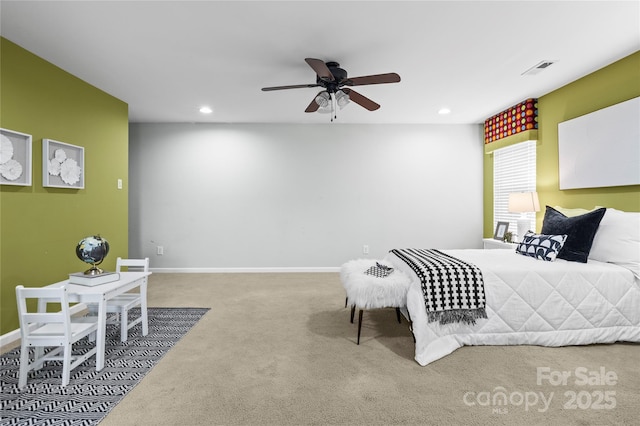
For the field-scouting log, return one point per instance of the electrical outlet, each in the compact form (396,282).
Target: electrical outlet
(160,251)
(119,183)
(365,249)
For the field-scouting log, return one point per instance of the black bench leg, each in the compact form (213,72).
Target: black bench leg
(398,315)
(346,300)
(359,324)
(353,312)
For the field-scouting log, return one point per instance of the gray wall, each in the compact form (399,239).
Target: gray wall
(238,197)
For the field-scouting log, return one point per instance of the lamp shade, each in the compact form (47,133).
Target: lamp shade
(523,202)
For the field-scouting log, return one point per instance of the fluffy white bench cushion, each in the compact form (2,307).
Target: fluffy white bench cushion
(369,292)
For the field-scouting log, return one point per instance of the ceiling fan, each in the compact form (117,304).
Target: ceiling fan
(332,79)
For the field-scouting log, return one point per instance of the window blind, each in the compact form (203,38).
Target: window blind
(514,170)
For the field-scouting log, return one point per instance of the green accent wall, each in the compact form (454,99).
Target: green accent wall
(40,227)
(608,86)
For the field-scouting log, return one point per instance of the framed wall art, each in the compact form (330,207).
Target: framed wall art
(600,149)
(15,158)
(501,229)
(62,165)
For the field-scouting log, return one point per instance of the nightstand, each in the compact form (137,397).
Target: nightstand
(490,244)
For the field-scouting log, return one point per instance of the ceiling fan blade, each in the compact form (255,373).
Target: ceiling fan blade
(320,68)
(313,106)
(361,100)
(391,77)
(294,86)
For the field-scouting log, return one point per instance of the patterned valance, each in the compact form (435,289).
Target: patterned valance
(518,118)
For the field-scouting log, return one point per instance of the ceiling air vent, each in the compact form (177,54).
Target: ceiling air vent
(538,68)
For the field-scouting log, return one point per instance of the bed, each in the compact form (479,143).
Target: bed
(529,301)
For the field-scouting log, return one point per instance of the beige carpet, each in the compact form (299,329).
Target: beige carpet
(278,349)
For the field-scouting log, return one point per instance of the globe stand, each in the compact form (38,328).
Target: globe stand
(94,270)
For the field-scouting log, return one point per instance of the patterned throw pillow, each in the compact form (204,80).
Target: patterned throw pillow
(540,246)
(379,270)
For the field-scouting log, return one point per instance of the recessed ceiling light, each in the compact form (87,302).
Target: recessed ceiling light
(206,110)
(444,111)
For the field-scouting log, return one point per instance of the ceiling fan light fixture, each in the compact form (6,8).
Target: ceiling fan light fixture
(323,99)
(342,99)
(330,77)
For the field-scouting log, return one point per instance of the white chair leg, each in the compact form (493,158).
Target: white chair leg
(145,322)
(24,366)
(38,352)
(66,367)
(124,321)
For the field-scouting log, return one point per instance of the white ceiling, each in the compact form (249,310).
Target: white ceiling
(167,58)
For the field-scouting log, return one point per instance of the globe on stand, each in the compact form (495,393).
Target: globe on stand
(92,250)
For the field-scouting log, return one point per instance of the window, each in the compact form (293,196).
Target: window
(514,170)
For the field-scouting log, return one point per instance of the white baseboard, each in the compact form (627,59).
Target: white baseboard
(244,270)
(9,338)
(13,336)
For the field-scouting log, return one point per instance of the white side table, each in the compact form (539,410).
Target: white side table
(490,244)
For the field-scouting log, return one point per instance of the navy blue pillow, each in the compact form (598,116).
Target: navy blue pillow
(580,231)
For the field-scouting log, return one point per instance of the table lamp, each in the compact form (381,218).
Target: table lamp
(523,202)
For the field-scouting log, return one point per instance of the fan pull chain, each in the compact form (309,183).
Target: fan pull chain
(335,108)
(334,112)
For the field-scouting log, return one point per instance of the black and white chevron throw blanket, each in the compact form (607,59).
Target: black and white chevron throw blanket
(453,289)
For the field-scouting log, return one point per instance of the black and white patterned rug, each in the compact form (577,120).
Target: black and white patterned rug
(91,394)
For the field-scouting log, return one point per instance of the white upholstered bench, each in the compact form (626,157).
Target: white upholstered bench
(366,291)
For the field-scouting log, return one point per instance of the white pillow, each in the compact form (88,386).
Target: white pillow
(618,240)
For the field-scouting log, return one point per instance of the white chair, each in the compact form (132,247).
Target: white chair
(41,330)
(121,304)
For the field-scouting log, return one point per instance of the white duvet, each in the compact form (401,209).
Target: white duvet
(533,302)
